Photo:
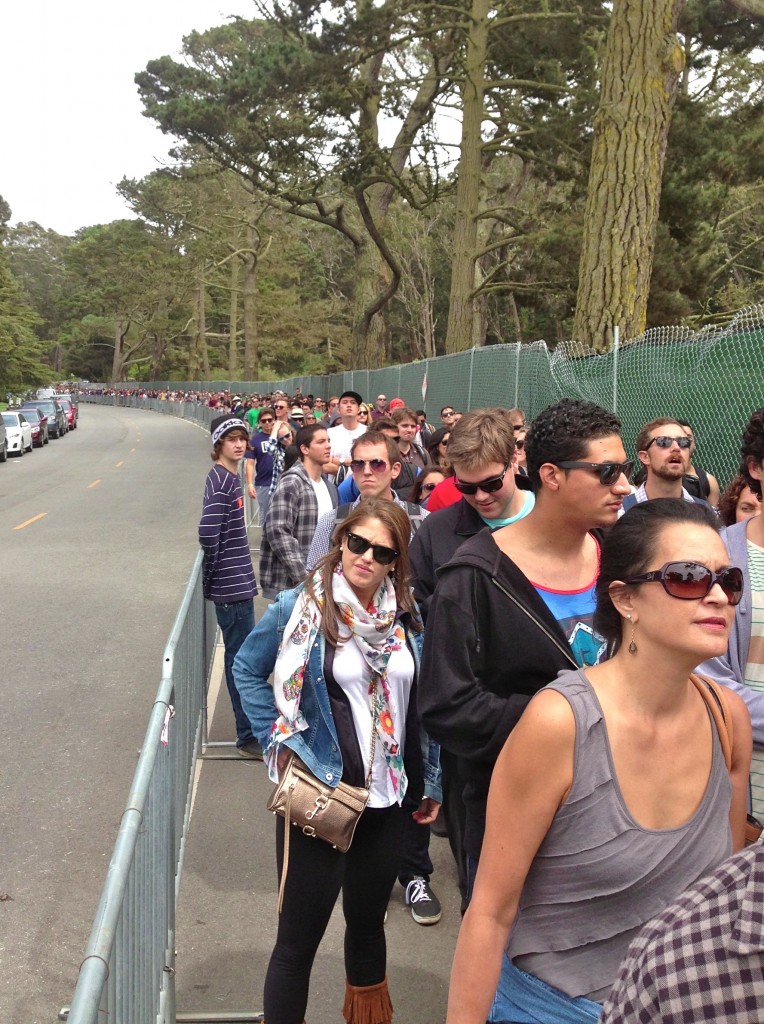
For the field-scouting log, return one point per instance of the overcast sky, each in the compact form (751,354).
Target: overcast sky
(71,125)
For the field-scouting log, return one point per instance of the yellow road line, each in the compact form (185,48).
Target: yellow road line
(94,484)
(30,521)
(118,464)
(132,450)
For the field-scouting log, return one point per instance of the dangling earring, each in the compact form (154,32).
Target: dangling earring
(632,646)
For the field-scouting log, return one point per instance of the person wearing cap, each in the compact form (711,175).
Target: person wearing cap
(343,435)
(228,578)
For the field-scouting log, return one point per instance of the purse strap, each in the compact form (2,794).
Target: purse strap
(713,695)
(288,816)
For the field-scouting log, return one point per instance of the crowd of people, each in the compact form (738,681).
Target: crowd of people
(512,633)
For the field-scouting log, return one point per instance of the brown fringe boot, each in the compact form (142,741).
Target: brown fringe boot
(368,1004)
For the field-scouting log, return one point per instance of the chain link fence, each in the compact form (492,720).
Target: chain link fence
(711,377)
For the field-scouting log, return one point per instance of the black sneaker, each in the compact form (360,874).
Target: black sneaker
(425,905)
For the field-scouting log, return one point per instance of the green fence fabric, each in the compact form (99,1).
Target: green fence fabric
(712,377)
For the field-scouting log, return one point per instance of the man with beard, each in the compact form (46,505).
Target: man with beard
(663,448)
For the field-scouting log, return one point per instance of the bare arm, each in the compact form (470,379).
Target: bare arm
(530,782)
(742,746)
(713,490)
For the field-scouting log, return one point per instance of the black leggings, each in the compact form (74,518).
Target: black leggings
(315,875)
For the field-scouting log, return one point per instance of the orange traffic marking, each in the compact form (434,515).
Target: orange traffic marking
(30,521)
(94,484)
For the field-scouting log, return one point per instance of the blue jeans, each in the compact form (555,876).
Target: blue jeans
(522,998)
(263,501)
(236,621)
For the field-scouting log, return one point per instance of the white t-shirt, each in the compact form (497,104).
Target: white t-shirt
(352,674)
(342,439)
(323,497)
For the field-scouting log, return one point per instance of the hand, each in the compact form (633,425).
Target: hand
(282,759)
(427,811)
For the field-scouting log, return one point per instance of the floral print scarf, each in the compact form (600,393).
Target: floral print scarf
(376,632)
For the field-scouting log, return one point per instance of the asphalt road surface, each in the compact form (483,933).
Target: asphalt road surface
(97,541)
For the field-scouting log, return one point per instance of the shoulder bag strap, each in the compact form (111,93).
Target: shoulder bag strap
(714,697)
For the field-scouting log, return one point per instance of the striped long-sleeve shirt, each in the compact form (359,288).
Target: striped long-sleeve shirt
(227,574)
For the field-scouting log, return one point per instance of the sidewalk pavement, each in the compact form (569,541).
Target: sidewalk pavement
(226,922)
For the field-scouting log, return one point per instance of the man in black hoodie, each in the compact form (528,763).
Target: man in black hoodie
(481,447)
(514,607)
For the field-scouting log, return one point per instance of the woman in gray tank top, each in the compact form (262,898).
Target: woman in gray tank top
(611,795)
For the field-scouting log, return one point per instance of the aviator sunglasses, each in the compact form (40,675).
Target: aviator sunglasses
(665,442)
(375,465)
(359,545)
(689,581)
(609,472)
(489,486)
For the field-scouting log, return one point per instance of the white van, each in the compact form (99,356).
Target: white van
(45,393)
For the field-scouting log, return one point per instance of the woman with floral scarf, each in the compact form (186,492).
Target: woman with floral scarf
(344,652)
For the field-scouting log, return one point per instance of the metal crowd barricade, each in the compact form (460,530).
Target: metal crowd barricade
(127,975)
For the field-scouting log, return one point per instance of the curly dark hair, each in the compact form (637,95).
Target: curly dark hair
(628,549)
(562,433)
(729,498)
(752,449)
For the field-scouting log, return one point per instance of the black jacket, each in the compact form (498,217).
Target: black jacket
(491,643)
(439,537)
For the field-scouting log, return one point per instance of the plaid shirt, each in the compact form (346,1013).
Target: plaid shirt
(702,959)
(289,529)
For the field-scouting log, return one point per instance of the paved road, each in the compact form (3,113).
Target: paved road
(105,569)
(88,595)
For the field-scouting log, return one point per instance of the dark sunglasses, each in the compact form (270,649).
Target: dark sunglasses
(444,441)
(490,485)
(359,545)
(375,465)
(520,445)
(429,487)
(690,581)
(609,472)
(665,442)
(518,426)
(280,408)
(266,420)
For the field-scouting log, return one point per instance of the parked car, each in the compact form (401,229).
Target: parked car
(57,423)
(45,393)
(18,431)
(70,409)
(39,424)
(3,441)
(71,396)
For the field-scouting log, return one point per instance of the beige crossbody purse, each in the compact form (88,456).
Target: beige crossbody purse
(324,812)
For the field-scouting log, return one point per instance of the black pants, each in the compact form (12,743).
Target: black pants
(415,860)
(316,874)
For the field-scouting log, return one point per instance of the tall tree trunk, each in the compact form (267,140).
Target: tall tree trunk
(459,333)
(249,294)
(117,363)
(233,322)
(640,77)
(198,340)
(371,335)
(378,274)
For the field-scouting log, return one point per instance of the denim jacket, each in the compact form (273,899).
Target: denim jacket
(317,745)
